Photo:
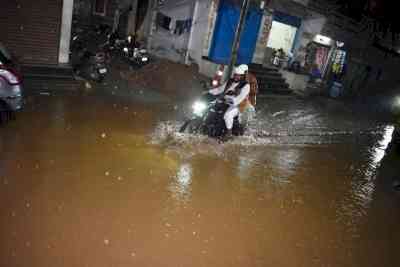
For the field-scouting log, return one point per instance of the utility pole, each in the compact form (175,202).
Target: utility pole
(238,33)
(152,9)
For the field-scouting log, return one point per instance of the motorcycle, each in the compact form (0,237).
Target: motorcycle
(91,66)
(135,55)
(208,118)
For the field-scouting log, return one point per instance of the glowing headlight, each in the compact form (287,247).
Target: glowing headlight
(126,49)
(145,59)
(214,82)
(220,73)
(199,108)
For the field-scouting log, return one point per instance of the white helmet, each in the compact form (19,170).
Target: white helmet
(241,69)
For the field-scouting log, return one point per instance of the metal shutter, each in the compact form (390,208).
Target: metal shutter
(31,29)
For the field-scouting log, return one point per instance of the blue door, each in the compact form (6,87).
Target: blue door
(224,34)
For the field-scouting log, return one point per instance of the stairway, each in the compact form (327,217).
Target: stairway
(270,80)
(49,78)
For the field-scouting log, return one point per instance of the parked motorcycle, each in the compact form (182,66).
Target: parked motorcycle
(91,66)
(135,55)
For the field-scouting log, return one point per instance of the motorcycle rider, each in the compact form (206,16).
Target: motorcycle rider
(236,93)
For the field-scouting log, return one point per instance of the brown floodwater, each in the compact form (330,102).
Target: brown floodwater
(96,181)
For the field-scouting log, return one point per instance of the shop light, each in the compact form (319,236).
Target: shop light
(322,39)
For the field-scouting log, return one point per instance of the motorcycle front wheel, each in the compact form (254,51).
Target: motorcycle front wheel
(191,126)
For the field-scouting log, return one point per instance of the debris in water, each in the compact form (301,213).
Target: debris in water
(278,113)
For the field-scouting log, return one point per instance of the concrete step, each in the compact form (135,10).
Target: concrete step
(272,83)
(49,85)
(259,67)
(279,91)
(47,71)
(264,72)
(266,78)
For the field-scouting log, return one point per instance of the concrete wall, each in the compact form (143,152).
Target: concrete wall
(263,37)
(200,31)
(311,26)
(296,82)
(165,43)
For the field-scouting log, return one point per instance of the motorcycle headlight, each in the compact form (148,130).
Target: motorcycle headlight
(199,108)
(145,59)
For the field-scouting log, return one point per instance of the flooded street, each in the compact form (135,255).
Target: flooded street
(104,182)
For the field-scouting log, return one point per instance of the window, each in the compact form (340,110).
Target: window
(100,7)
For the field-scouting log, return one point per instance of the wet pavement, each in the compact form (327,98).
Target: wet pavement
(105,180)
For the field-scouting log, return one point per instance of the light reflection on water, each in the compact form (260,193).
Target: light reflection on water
(357,204)
(180,186)
(365,190)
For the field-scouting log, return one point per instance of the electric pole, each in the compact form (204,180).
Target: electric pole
(238,33)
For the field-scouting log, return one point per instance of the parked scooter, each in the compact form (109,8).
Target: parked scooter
(88,58)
